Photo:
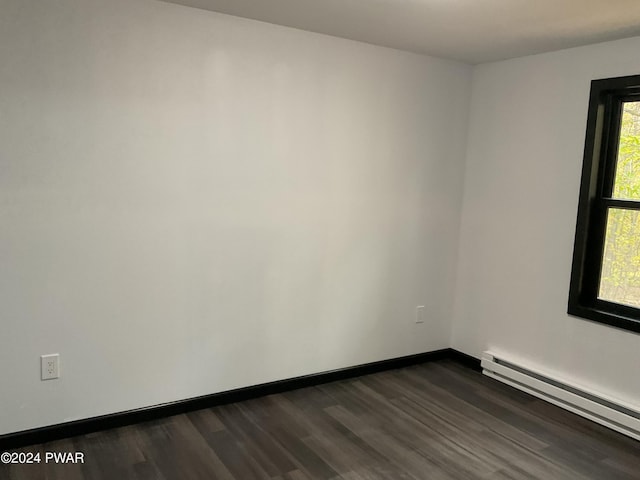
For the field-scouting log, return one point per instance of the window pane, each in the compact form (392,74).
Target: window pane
(620,278)
(627,181)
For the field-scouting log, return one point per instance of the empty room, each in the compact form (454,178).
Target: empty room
(319,239)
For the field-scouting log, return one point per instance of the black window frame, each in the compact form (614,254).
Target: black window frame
(598,172)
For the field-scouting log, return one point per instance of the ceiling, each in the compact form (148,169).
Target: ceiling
(473,31)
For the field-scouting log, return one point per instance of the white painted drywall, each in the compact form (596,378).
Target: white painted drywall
(191,202)
(524,159)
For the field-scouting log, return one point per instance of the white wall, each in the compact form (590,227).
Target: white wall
(524,159)
(191,202)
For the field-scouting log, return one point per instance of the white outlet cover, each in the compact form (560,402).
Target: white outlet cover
(50,366)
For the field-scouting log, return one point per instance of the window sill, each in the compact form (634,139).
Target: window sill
(604,316)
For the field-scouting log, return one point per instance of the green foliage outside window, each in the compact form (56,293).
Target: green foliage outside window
(620,279)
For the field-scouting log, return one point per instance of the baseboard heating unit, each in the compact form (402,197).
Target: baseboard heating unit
(606,411)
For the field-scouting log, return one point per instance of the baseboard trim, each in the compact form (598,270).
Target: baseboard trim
(466,360)
(115,420)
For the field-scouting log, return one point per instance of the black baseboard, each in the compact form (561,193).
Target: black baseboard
(464,359)
(89,425)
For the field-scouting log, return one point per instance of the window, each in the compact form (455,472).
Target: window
(605,278)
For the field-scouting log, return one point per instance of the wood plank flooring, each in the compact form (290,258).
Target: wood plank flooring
(436,421)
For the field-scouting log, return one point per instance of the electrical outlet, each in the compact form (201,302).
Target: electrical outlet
(50,366)
(420,314)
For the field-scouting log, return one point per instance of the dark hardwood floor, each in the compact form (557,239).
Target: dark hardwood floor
(436,421)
